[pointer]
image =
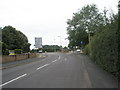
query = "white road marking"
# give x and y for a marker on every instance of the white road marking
(13, 80)
(54, 61)
(42, 66)
(47, 64)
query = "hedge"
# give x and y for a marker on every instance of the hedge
(18, 51)
(103, 48)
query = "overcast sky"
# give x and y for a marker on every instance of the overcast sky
(45, 18)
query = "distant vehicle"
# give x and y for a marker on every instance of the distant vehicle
(78, 50)
(40, 51)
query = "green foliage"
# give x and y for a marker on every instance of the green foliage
(15, 39)
(32, 51)
(4, 49)
(85, 21)
(101, 30)
(6, 52)
(86, 49)
(50, 48)
(118, 34)
(47, 48)
(103, 48)
(18, 51)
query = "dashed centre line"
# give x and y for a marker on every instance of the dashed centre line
(46, 64)
(13, 80)
(54, 61)
(26, 74)
(42, 66)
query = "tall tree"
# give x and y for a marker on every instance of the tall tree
(83, 24)
(15, 39)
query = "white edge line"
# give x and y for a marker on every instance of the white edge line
(13, 80)
(42, 66)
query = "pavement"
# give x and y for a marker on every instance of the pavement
(58, 70)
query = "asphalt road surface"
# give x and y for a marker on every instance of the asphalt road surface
(58, 70)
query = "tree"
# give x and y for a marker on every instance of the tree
(103, 48)
(50, 48)
(84, 24)
(4, 49)
(15, 39)
(18, 51)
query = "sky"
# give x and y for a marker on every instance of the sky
(45, 18)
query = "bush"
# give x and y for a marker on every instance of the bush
(86, 49)
(48, 50)
(6, 52)
(4, 49)
(104, 48)
(18, 51)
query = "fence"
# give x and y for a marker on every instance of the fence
(11, 58)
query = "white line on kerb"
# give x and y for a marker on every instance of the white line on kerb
(13, 80)
(42, 66)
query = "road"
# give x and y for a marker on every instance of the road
(58, 70)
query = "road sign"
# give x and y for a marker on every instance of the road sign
(38, 42)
